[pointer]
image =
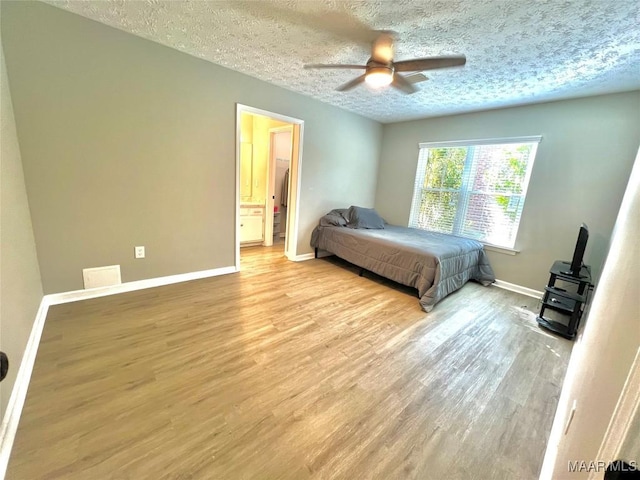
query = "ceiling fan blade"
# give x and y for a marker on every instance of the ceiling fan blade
(323, 65)
(382, 48)
(430, 63)
(353, 83)
(414, 78)
(401, 83)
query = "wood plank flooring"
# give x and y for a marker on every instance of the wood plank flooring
(291, 371)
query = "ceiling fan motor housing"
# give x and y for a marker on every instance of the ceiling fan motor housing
(378, 67)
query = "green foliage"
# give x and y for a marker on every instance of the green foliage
(438, 210)
(503, 201)
(444, 167)
(512, 176)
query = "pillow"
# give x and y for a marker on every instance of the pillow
(333, 220)
(364, 218)
(343, 212)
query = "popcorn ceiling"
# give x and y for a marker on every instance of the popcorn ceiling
(518, 52)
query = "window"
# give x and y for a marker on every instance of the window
(473, 189)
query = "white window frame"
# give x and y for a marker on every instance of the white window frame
(464, 189)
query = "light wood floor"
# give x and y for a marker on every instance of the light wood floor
(291, 370)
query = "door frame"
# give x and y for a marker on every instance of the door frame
(295, 179)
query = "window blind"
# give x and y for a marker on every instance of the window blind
(474, 189)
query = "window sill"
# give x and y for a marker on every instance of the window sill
(504, 250)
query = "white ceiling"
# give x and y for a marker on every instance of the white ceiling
(518, 51)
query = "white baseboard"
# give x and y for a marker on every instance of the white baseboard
(74, 296)
(530, 292)
(259, 243)
(303, 257)
(19, 393)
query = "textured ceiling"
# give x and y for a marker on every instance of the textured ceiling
(518, 51)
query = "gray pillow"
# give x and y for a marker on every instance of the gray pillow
(343, 212)
(333, 220)
(364, 218)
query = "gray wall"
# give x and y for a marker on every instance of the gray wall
(126, 142)
(580, 173)
(20, 287)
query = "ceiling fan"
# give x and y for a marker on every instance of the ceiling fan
(381, 70)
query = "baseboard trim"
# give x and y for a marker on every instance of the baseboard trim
(18, 396)
(530, 292)
(303, 257)
(75, 295)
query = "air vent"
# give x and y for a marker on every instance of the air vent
(101, 276)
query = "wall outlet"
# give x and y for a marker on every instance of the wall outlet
(139, 251)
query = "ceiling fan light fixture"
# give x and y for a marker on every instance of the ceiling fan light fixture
(379, 76)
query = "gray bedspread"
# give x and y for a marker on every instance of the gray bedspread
(435, 264)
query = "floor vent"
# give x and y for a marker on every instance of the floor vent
(101, 276)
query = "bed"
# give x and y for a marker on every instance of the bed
(436, 264)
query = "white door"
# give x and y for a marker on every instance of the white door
(278, 193)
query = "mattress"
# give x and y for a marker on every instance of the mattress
(436, 264)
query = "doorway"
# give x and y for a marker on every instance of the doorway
(268, 161)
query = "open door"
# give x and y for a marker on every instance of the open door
(281, 143)
(295, 180)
